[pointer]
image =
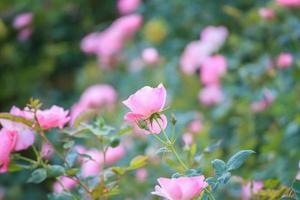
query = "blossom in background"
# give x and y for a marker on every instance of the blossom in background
(196, 126)
(146, 102)
(284, 60)
(266, 13)
(261, 105)
(251, 188)
(91, 166)
(211, 39)
(150, 56)
(187, 138)
(128, 6)
(64, 183)
(8, 140)
(183, 188)
(212, 69)
(288, 3)
(94, 97)
(55, 117)
(141, 175)
(114, 154)
(22, 20)
(108, 43)
(25, 134)
(47, 151)
(211, 95)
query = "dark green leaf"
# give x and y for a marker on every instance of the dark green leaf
(238, 159)
(38, 176)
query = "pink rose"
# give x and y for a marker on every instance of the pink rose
(183, 188)
(284, 60)
(8, 140)
(150, 56)
(288, 3)
(64, 183)
(146, 102)
(211, 95)
(128, 6)
(52, 118)
(195, 126)
(47, 151)
(24, 34)
(250, 188)
(114, 154)
(141, 174)
(212, 69)
(261, 105)
(22, 20)
(25, 134)
(266, 13)
(214, 36)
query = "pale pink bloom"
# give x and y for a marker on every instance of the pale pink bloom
(214, 36)
(195, 126)
(90, 43)
(183, 188)
(289, 3)
(284, 60)
(99, 95)
(211, 95)
(52, 118)
(266, 13)
(136, 65)
(261, 105)
(64, 183)
(212, 69)
(141, 174)
(251, 188)
(128, 25)
(8, 140)
(92, 167)
(114, 154)
(128, 6)
(47, 150)
(187, 138)
(150, 56)
(25, 133)
(146, 102)
(25, 34)
(22, 20)
(193, 55)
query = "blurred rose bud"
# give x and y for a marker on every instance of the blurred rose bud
(128, 6)
(22, 20)
(150, 56)
(141, 174)
(47, 151)
(211, 95)
(63, 183)
(288, 3)
(187, 138)
(266, 13)
(284, 60)
(251, 188)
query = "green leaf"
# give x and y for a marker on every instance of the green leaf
(137, 162)
(55, 171)
(224, 178)
(119, 170)
(115, 142)
(38, 176)
(71, 158)
(238, 159)
(162, 150)
(60, 196)
(15, 168)
(219, 167)
(69, 144)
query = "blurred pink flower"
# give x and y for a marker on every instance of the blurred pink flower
(92, 166)
(24, 34)
(261, 105)
(183, 188)
(22, 20)
(114, 154)
(150, 56)
(25, 134)
(214, 36)
(94, 97)
(64, 183)
(187, 138)
(251, 188)
(47, 151)
(195, 126)
(266, 13)
(8, 140)
(193, 55)
(146, 102)
(289, 3)
(212, 69)
(52, 118)
(128, 6)
(284, 60)
(211, 95)
(141, 175)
